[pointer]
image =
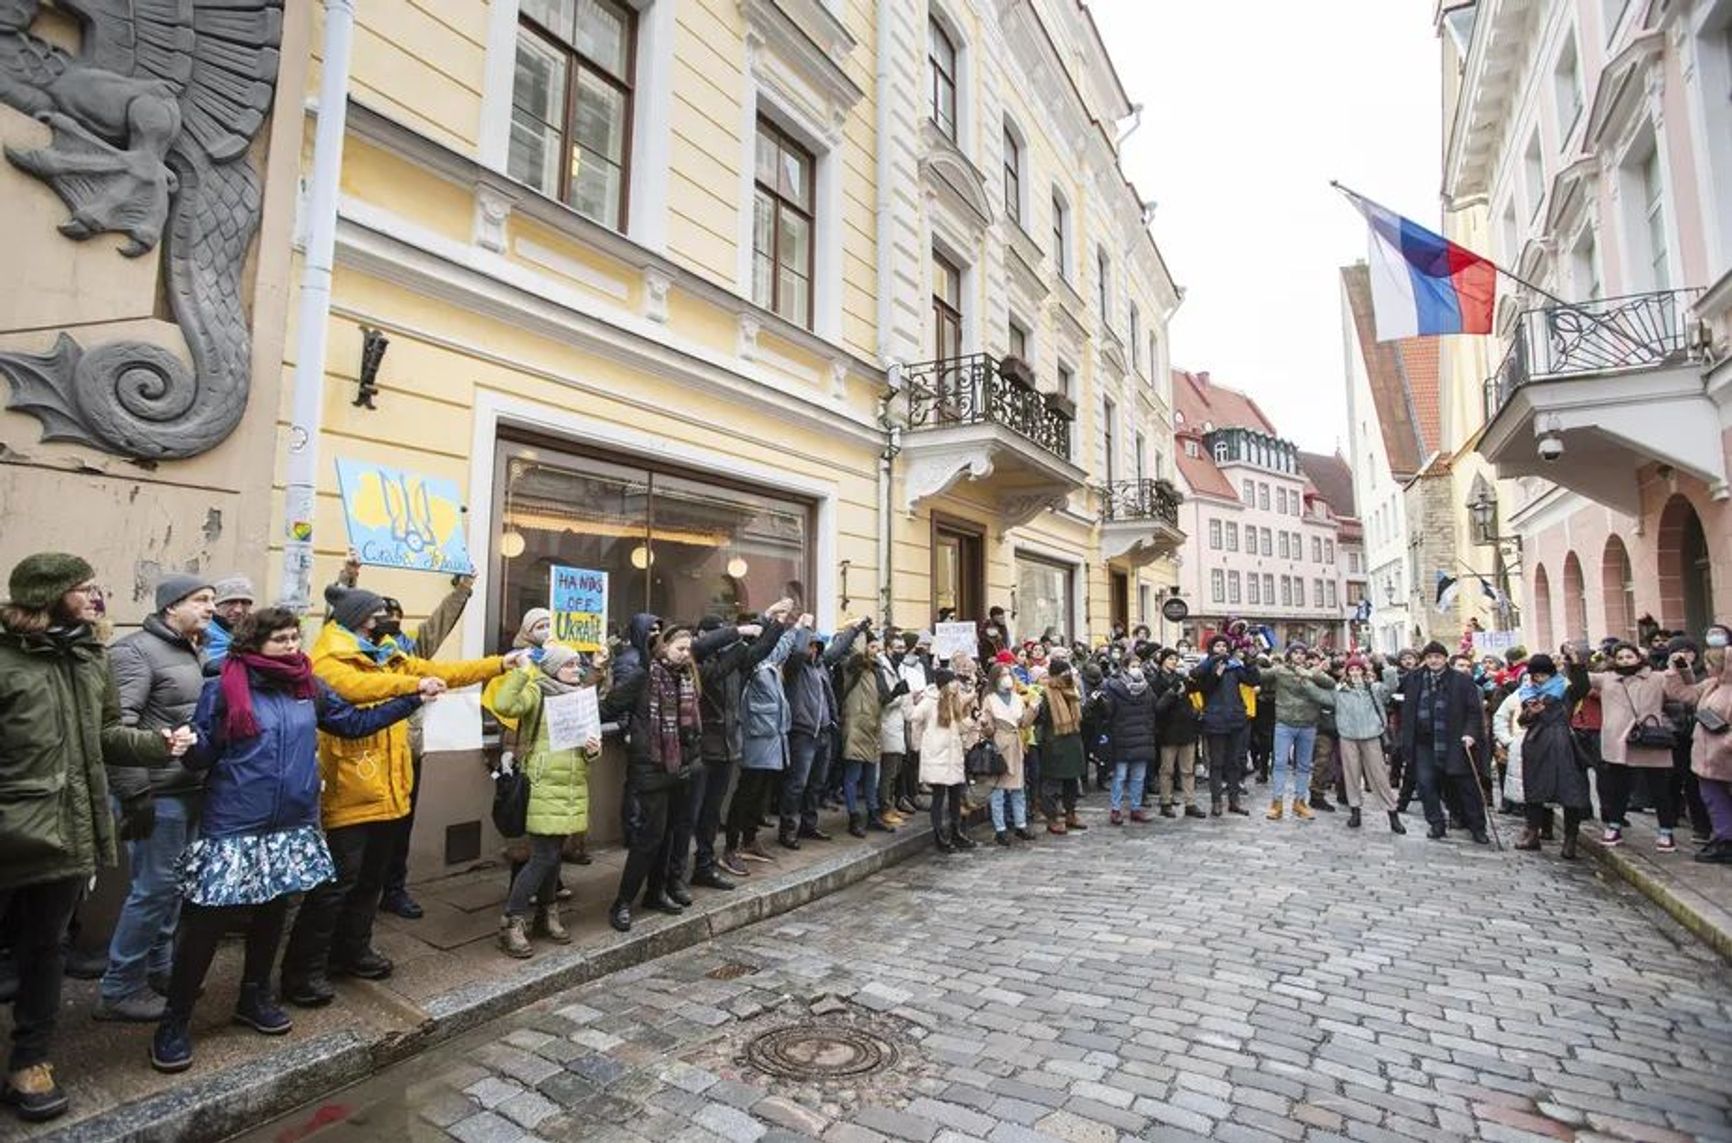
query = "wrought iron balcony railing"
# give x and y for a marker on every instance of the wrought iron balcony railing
(973, 391)
(1124, 500)
(1610, 335)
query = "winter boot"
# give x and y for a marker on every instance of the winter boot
(1072, 822)
(1529, 840)
(1395, 825)
(1277, 811)
(258, 1010)
(1353, 818)
(1302, 809)
(548, 924)
(514, 938)
(857, 825)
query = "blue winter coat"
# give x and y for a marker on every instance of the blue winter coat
(766, 716)
(271, 782)
(1223, 705)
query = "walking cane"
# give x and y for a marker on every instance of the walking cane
(1490, 821)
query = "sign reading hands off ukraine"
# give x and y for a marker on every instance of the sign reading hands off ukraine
(403, 520)
(578, 599)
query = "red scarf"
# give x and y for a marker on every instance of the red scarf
(241, 670)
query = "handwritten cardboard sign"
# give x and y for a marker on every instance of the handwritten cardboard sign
(949, 638)
(400, 519)
(1495, 642)
(571, 719)
(578, 599)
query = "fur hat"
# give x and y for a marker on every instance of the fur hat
(1434, 648)
(40, 580)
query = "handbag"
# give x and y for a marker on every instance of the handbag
(1650, 733)
(1712, 721)
(983, 760)
(511, 801)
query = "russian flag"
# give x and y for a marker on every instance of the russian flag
(1422, 284)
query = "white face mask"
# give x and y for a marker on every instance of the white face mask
(1004, 685)
(1716, 638)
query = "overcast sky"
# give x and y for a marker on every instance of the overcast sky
(1251, 107)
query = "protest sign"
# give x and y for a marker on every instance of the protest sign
(453, 722)
(403, 520)
(1495, 642)
(578, 599)
(949, 638)
(571, 719)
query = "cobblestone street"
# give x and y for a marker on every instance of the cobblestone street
(1240, 981)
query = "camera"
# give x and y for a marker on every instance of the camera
(1551, 447)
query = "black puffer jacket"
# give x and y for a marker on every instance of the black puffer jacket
(724, 661)
(1130, 721)
(158, 678)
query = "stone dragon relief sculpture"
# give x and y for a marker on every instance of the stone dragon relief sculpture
(151, 124)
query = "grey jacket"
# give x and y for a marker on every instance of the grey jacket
(766, 715)
(158, 677)
(1359, 711)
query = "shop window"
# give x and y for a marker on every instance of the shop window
(1043, 596)
(674, 544)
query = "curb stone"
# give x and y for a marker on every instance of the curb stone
(1711, 923)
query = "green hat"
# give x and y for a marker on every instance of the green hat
(40, 580)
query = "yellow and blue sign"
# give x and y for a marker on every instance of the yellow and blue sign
(578, 599)
(403, 520)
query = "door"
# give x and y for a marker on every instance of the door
(958, 571)
(1119, 601)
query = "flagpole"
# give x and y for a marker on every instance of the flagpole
(1575, 307)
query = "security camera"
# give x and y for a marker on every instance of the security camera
(1551, 447)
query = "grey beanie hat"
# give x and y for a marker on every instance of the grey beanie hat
(355, 607)
(176, 586)
(555, 656)
(231, 588)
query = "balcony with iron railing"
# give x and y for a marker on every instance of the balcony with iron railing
(1140, 520)
(977, 390)
(1591, 393)
(1594, 338)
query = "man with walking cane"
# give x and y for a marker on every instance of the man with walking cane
(1442, 713)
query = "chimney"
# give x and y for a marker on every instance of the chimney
(1203, 378)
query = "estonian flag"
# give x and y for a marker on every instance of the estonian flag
(1446, 589)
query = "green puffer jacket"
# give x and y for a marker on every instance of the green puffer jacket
(558, 779)
(59, 721)
(862, 711)
(1300, 696)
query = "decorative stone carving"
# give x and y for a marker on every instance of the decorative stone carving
(492, 210)
(932, 473)
(839, 378)
(1017, 509)
(749, 327)
(656, 284)
(151, 124)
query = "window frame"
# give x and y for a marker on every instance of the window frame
(786, 141)
(626, 86)
(936, 30)
(1061, 234)
(1217, 585)
(1216, 534)
(945, 312)
(1013, 175)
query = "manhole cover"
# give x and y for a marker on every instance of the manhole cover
(733, 970)
(820, 1051)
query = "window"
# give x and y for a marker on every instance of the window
(1154, 361)
(1585, 268)
(1268, 544)
(1296, 502)
(1333, 602)
(1613, 11)
(1567, 90)
(1249, 496)
(1654, 210)
(941, 61)
(1221, 452)
(1066, 387)
(1232, 536)
(946, 309)
(1507, 231)
(1316, 549)
(1215, 535)
(1298, 591)
(1136, 339)
(1298, 546)
(1045, 590)
(1012, 177)
(1329, 552)
(1286, 551)
(1355, 593)
(1534, 171)
(1234, 593)
(1262, 496)
(1142, 448)
(1269, 588)
(1060, 236)
(1286, 591)
(1191, 449)
(1217, 585)
(1317, 593)
(782, 226)
(571, 102)
(1281, 501)
(1352, 563)
(1253, 588)
(1103, 293)
(1109, 415)
(1018, 341)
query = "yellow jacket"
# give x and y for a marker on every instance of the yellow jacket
(369, 779)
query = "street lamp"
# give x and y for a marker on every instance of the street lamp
(1389, 590)
(1482, 511)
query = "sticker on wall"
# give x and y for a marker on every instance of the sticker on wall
(401, 519)
(578, 599)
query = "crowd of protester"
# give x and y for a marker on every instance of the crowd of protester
(243, 774)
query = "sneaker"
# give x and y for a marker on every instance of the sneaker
(1663, 843)
(730, 862)
(1613, 836)
(33, 1094)
(140, 1008)
(400, 903)
(258, 1011)
(549, 924)
(171, 1047)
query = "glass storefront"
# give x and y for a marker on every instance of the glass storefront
(1043, 597)
(671, 543)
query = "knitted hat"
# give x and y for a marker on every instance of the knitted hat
(176, 586)
(40, 580)
(555, 656)
(1358, 661)
(530, 618)
(1542, 664)
(356, 606)
(1004, 657)
(1434, 648)
(235, 589)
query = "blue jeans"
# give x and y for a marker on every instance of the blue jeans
(1138, 774)
(143, 942)
(852, 776)
(1287, 740)
(806, 766)
(1018, 800)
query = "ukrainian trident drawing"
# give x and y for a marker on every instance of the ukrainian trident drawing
(150, 124)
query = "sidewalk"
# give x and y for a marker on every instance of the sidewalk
(1697, 895)
(450, 976)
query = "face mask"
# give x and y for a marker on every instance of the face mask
(1135, 674)
(387, 629)
(1717, 638)
(1004, 686)
(1626, 669)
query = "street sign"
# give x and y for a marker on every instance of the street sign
(1176, 610)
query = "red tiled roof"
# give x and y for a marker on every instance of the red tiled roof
(1332, 478)
(1419, 362)
(1204, 401)
(1404, 381)
(1200, 472)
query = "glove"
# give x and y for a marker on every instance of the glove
(138, 818)
(900, 689)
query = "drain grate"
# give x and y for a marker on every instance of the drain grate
(820, 1051)
(733, 970)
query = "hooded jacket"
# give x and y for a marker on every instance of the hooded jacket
(766, 715)
(1178, 717)
(724, 660)
(558, 779)
(1130, 720)
(811, 695)
(158, 678)
(59, 722)
(630, 669)
(369, 779)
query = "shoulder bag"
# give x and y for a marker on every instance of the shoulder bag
(1651, 733)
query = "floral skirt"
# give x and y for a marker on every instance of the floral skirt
(253, 869)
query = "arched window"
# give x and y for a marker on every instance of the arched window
(1575, 600)
(1686, 575)
(1618, 585)
(1542, 609)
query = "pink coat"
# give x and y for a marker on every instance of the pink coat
(1710, 754)
(1623, 703)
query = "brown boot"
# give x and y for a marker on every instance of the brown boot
(1277, 811)
(548, 924)
(1055, 825)
(1072, 822)
(1530, 839)
(1302, 809)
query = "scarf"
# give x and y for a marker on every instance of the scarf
(1553, 688)
(1434, 712)
(1062, 703)
(293, 674)
(673, 704)
(372, 650)
(551, 686)
(1136, 684)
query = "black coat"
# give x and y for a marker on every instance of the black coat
(1554, 770)
(724, 661)
(1180, 723)
(1464, 714)
(1131, 726)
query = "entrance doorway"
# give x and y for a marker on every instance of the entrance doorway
(958, 570)
(1686, 574)
(1119, 600)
